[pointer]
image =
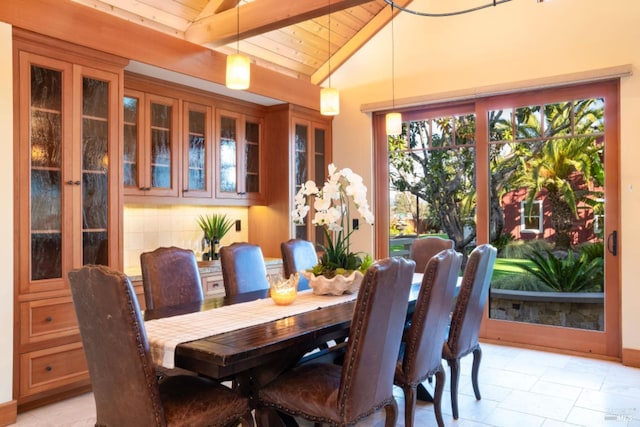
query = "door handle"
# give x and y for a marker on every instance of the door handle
(612, 243)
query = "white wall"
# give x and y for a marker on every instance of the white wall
(512, 42)
(6, 215)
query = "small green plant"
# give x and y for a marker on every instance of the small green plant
(570, 274)
(214, 225)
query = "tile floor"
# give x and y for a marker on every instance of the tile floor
(521, 388)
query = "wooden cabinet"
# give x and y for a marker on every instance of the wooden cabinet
(68, 201)
(299, 142)
(239, 162)
(150, 155)
(183, 145)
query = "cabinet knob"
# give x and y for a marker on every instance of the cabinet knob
(48, 368)
(70, 182)
(48, 319)
(76, 183)
(186, 190)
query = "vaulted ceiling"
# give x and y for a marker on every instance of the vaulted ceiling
(300, 38)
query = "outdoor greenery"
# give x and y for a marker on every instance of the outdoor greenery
(570, 274)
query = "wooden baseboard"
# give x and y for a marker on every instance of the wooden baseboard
(631, 357)
(8, 413)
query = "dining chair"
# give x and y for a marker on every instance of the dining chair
(243, 268)
(170, 276)
(123, 380)
(342, 395)
(421, 350)
(467, 315)
(297, 255)
(424, 248)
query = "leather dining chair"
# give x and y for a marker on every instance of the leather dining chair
(421, 352)
(298, 255)
(342, 395)
(243, 268)
(424, 248)
(170, 276)
(123, 380)
(466, 318)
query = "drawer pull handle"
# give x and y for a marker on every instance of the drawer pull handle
(48, 369)
(48, 319)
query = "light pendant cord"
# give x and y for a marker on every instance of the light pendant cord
(238, 27)
(393, 64)
(329, 59)
(440, 15)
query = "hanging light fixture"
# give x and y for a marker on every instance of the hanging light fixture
(238, 65)
(329, 96)
(393, 120)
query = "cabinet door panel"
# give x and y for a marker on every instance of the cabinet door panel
(197, 151)
(132, 148)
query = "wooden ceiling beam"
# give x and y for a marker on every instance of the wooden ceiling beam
(259, 17)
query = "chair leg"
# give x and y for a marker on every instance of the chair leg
(410, 395)
(477, 357)
(437, 395)
(391, 412)
(454, 366)
(247, 420)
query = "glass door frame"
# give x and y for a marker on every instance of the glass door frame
(604, 343)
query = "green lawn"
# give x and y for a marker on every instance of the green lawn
(508, 266)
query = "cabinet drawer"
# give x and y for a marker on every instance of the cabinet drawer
(47, 319)
(52, 368)
(212, 286)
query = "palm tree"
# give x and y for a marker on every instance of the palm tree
(559, 167)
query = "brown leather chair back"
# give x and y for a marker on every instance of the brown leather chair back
(470, 303)
(243, 268)
(423, 351)
(170, 276)
(297, 255)
(124, 383)
(423, 249)
(374, 338)
(115, 344)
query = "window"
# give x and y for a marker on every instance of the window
(531, 222)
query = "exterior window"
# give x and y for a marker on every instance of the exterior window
(531, 223)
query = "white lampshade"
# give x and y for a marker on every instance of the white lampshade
(329, 101)
(238, 71)
(394, 123)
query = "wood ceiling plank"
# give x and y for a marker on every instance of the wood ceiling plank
(141, 14)
(260, 17)
(356, 42)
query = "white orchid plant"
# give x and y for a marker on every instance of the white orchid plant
(332, 207)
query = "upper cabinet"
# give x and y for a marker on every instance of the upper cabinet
(238, 163)
(150, 159)
(299, 149)
(182, 145)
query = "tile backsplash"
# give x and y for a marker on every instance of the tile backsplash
(149, 227)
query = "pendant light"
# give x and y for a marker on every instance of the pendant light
(238, 65)
(329, 96)
(393, 120)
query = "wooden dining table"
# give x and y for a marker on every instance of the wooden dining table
(255, 354)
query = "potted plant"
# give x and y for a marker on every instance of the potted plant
(339, 269)
(214, 227)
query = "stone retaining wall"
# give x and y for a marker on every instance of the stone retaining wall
(572, 310)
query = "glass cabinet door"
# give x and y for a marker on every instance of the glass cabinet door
(95, 171)
(47, 127)
(227, 159)
(301, 154)
(66, 203)
(252, 140)
(196, 166)
(311, 147)
(132, 150)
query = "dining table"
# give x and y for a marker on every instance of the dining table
(247, 337)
